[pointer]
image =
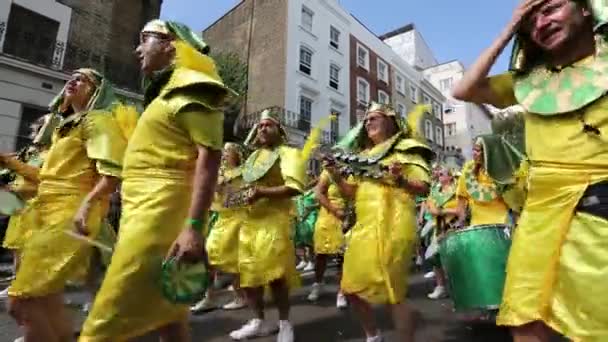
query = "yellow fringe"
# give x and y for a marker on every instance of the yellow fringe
(127, 117)
(314, 138)
(188, 57)
(413, 121)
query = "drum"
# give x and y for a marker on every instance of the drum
(10, 203)
(183, 283)
(475, 261)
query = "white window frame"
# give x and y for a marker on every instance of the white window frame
(335, 123)
(303, 63)
(439, 135)
(426, 99)
(334, 43)
(384, 77)
(300, 109)
(336, 79)
(414, 93)
(400, 83)
(450, 129)
(446, 83)
(401, 109)
(307, 12)
(366, 100)
(437, 110)
(428, 130)
(365, 63)
(381, 94)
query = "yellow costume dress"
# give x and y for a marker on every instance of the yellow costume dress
(328, 237)
(383, 239)
(159, 166)
(85, 146)
(266, 252)
(223, 240)
(21, 225)
(483, 211)
(558, 264)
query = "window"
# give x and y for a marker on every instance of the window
(307, 17)
(382, 71)
(414, 94)
(334, 37)
(428, 130)
(450, 129)
(334, 128)
(437, 110)
(400, 84)
(383, 97)
(362, 92)
(35, 41)
(334, 76)
(305, 60)
(362, 57)
(445, 84)
(401, 109)
(305, 113)
(439, 136)
(426, 99)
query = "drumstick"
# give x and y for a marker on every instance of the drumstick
(90, 241)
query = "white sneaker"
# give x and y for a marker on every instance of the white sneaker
(285, 332)
(19, 339)
(204, 305)
(309, 267)
(377, 338)
(341, 302)
(315, 293)
(236, 304)
(439, 292)
(429, 275)
(254, 328)
(301, 265)
(4, 294)
(86, 307)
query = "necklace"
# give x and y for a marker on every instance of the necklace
(259, 163)
(479, 192)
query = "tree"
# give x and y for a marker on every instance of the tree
(512, 128)
(234, 74)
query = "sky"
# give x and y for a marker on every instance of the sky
(453, 29)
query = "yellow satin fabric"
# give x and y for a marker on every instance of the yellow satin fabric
(382, 241)
(266, 252)
(328, 237)
(223, 240)
(557, 264)
(156, 193)
(50, 257)
(490, 212)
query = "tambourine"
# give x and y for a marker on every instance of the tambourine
(238, 198)
(183, 283)
(10, 203)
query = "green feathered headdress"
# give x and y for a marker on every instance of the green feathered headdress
(103, 96)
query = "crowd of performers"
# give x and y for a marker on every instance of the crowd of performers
(519, 238)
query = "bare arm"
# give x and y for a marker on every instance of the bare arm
(321, 193)
(282, 191)
(104, 187)
(433, 209)
(461, 209)
(474, 85)
(204, 182)
(26, 171)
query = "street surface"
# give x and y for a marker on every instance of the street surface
(318, 322)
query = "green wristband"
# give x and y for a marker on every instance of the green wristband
(197, 224)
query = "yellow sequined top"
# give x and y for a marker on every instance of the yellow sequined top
(482, 212)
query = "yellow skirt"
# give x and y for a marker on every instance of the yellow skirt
(51, 258)
(130, 302)
(562, 283)
(380, 246)
(328, 238)
(223, 242)
(266, 252)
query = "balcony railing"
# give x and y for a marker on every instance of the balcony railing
(288, 118)
(62, 56)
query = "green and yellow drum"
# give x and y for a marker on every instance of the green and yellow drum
(183, 283)
(475, 261)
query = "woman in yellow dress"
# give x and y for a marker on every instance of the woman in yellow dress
(442, 204)
(223, 238)
(274, 174)
(558, 260)
(328, 238)
(25, 185)
(382, 241)
(80, 171)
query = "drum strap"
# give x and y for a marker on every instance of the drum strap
(595, 200)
